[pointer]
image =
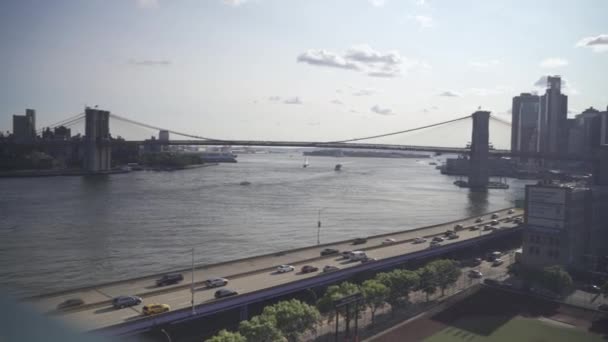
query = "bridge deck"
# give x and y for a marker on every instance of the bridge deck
(246, 275)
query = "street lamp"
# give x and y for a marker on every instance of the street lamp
(192, 283)
(319, 227)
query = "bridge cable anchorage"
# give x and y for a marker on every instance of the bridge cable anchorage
(61, 123)
(399, 132)
(123, 119)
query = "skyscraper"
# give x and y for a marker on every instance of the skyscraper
(24, 126)
(553, 126)
(524, 128)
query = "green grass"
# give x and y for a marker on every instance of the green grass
(515, 330)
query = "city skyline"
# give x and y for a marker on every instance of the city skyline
(267, 69)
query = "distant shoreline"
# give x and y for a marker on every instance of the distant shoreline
(79, 172)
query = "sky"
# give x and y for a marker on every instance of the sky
(296, 70)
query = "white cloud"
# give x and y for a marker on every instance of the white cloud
(364, 92)
(484, 64)
(567, 87)
(234, 3)
(147, 3)
(553, 63)
(365, 59)
(377, 3)
(293, 100)
(149, 62)
(449, 93)
(596, 43)
(490, 91)
(337, 102)
(382, 111)
(423, 21)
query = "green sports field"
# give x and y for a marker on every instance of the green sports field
(518, 329)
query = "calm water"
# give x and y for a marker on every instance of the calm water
(65, 232)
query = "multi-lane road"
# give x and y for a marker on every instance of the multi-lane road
(246, 275)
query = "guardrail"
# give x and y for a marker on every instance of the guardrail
(206, 309)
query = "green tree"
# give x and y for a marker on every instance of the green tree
(446, 272)
(428, 280)
(335, 292)
(375, 294)
(556, 279)
(292, 317)
(227, 336)
(261, 328)
(400, 284)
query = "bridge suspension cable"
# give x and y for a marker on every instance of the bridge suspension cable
(500, 120)
(123, 119)
(62, 122)
(399, 132)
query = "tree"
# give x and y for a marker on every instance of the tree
(261, 328)
(292, 317)
(604, 289)
(400, 283)
(428, 281)
(556, 279)
(375, 294)
(227, 336)
(446, 272)
(335, 292)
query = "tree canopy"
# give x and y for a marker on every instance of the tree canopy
(227, 336)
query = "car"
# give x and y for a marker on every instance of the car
(125, 301)
(497, 262)
(592, 288)
(494, 222)
(453, 236)
(419, 240)
(153, 309)
(70, 303)
(476, 262)
(357, 256)
(347, 254)
(473, 228)
(215, 282)
(169, 279)
(438, 239)
(367, 260)
(458, 227)
(329, 251)
(434, 244)
(221, 293)
(330, 268)
(511, 211)
(285, 268)
(475, 274)
(603, 307)
(508, 219)
(491, 282)
(488, 227)
(518, 220)
(359, 241)
(389, 241)
(479, 219)
(448, 232)
(494, 216)
(308, 269)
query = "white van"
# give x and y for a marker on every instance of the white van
(357, 256)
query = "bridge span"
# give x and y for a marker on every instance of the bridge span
(254, 279)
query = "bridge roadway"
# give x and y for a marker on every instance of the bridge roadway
(245, 276)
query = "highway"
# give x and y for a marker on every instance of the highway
(244, 276)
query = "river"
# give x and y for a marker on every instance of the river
(66, 232)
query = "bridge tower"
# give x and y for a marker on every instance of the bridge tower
(97, 151)
(478, 166)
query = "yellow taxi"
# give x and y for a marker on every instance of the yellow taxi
(153, 309)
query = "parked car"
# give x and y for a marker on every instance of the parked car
(494, 216)
(367, 259)
(458, 227)
(330, 268)
(419, 240)
(308, 269)
(479, 219)
(475, 274)
(592, 288)
(453, 236)
(497, 262)
(169, 279)
(389, 241)
(221, 293)
(438, 239)
(285, 268)
(476, 262)
(125, 301)
(329, 251)
(215, 282)
(70, 303)
(359, 241)
(153, 309)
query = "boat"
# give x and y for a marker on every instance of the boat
(305, 165)
(338, 167)
(245, 183)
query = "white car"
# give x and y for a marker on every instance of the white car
(511, 211)
(475, 274)
(216, 282)
(389, 241)
(285, 268)
(497, 262)
(419, 240)
(479, 219)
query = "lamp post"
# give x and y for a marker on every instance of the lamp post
(319, 227)
(192, 283)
